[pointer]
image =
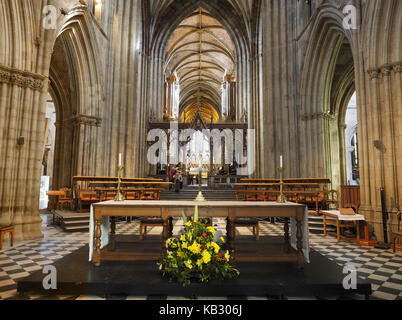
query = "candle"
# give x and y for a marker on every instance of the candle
(281, 162)
(120, 159)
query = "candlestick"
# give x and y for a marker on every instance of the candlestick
(281, 198)
(119, 159)
(119, 196)
(200, 196)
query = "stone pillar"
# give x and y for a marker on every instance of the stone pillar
(22, 126)
(169, 97)
(383, 126)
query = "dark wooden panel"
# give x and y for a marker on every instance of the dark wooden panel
(350, 195)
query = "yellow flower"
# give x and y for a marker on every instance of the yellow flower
(206, 256)
(223, 240)
(195, 248)
(200, 262)
(188, 264)
(185, 245)
(212, 230)
(227, 255)
(215, 246)
(189, 224)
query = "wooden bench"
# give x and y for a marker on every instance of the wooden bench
(397, 235)
(3, 232)
(289, 180)
(341, 221)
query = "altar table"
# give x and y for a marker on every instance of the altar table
(296, 243)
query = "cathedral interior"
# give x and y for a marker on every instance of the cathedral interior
(311, 87)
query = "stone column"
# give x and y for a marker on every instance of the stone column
(22, 126)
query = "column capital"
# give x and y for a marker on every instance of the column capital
(80, 119)
(386, 70)
(397, 67)
(374, 73)
(22, 78)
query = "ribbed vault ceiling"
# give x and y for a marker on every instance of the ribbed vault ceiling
(200, 52)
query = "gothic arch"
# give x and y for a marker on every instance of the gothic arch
(324, 97)
(77, 83)
(158, 30)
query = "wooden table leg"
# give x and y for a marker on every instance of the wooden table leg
(357, 232)
(299, 237)
(170, 227)
(227, 231)
(287, 237)
(165, 230)
(231, 227)
(338, 230)
(112, 246)
(98, 234)
(324, 217)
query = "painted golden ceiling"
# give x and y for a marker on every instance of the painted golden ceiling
(200, 52)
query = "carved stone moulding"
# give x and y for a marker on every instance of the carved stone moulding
(320, 115)
(385, 70)
(82, 120)
(21, 78)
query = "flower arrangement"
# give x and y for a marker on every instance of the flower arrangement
(196, 254)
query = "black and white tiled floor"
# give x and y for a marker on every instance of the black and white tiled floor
(382, 268)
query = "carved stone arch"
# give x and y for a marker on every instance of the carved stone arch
(76, 82)
(323, 94)
(383, 26)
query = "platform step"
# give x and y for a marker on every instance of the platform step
(72, 221)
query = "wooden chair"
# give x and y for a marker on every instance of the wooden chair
(249, 222)
(330, 200)
(3, 232)
(67, 198)
(397, 235)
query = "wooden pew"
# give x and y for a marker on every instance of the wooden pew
(315, 200)
(267, 186)
(83, 182)
(289, 180)
(130, 184)
(87, 197)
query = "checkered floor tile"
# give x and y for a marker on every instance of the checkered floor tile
(382, 268)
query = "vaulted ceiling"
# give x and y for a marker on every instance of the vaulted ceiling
(200, 52)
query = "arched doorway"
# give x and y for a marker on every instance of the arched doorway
(327, 85)
(352, 144)
(48, 153)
